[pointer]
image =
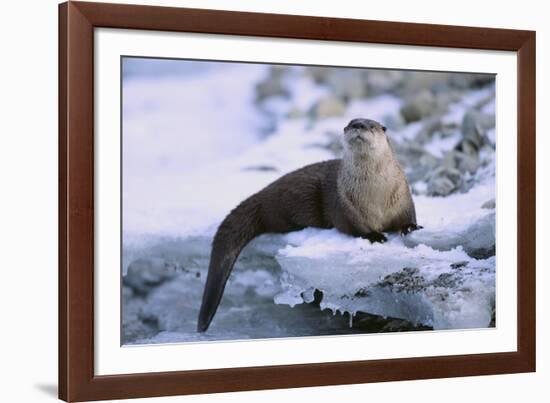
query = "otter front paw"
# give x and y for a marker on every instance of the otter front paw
(376, 237)
(410, 228)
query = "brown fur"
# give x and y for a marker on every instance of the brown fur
(363, 194)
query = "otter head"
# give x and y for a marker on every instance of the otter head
(365, 137)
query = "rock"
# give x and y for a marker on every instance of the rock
(462, 263)
(449, 160)
(471, 125)
(328, 107)
(440, 186)
(272, 85)
(409, 279)
(344, 83)
(261, 168)
(474, 130)
(145, 274)
(394, 122)
(430, 126)
(469, 80)
(468, 147)
(401, 325)
(443, 181)
(133, 327)
(489, 204)
(347, 84)
(417, 108)
(295, 113)
(383, 81)
(127, 292)
(446, 97)
(418, 162)
(379, 324)
(270, 88)
(466, 162)
(319, 74)
(415, 82)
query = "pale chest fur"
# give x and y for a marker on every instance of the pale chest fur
(376, 194)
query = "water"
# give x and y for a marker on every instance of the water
(161, 298)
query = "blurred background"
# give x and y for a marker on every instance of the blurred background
(198, 137)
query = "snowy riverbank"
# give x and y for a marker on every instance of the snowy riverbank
(191, 153)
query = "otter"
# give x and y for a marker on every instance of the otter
(363, 194)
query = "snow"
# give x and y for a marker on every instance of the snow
(179, 184)
(175, 130)
(438, 145)
(376, 108)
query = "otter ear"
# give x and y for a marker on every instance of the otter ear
(384, 128)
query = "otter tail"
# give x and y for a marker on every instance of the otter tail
(235, 232)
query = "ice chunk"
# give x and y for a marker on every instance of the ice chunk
(442, 289)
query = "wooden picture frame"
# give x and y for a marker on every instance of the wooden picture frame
(77, 381)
